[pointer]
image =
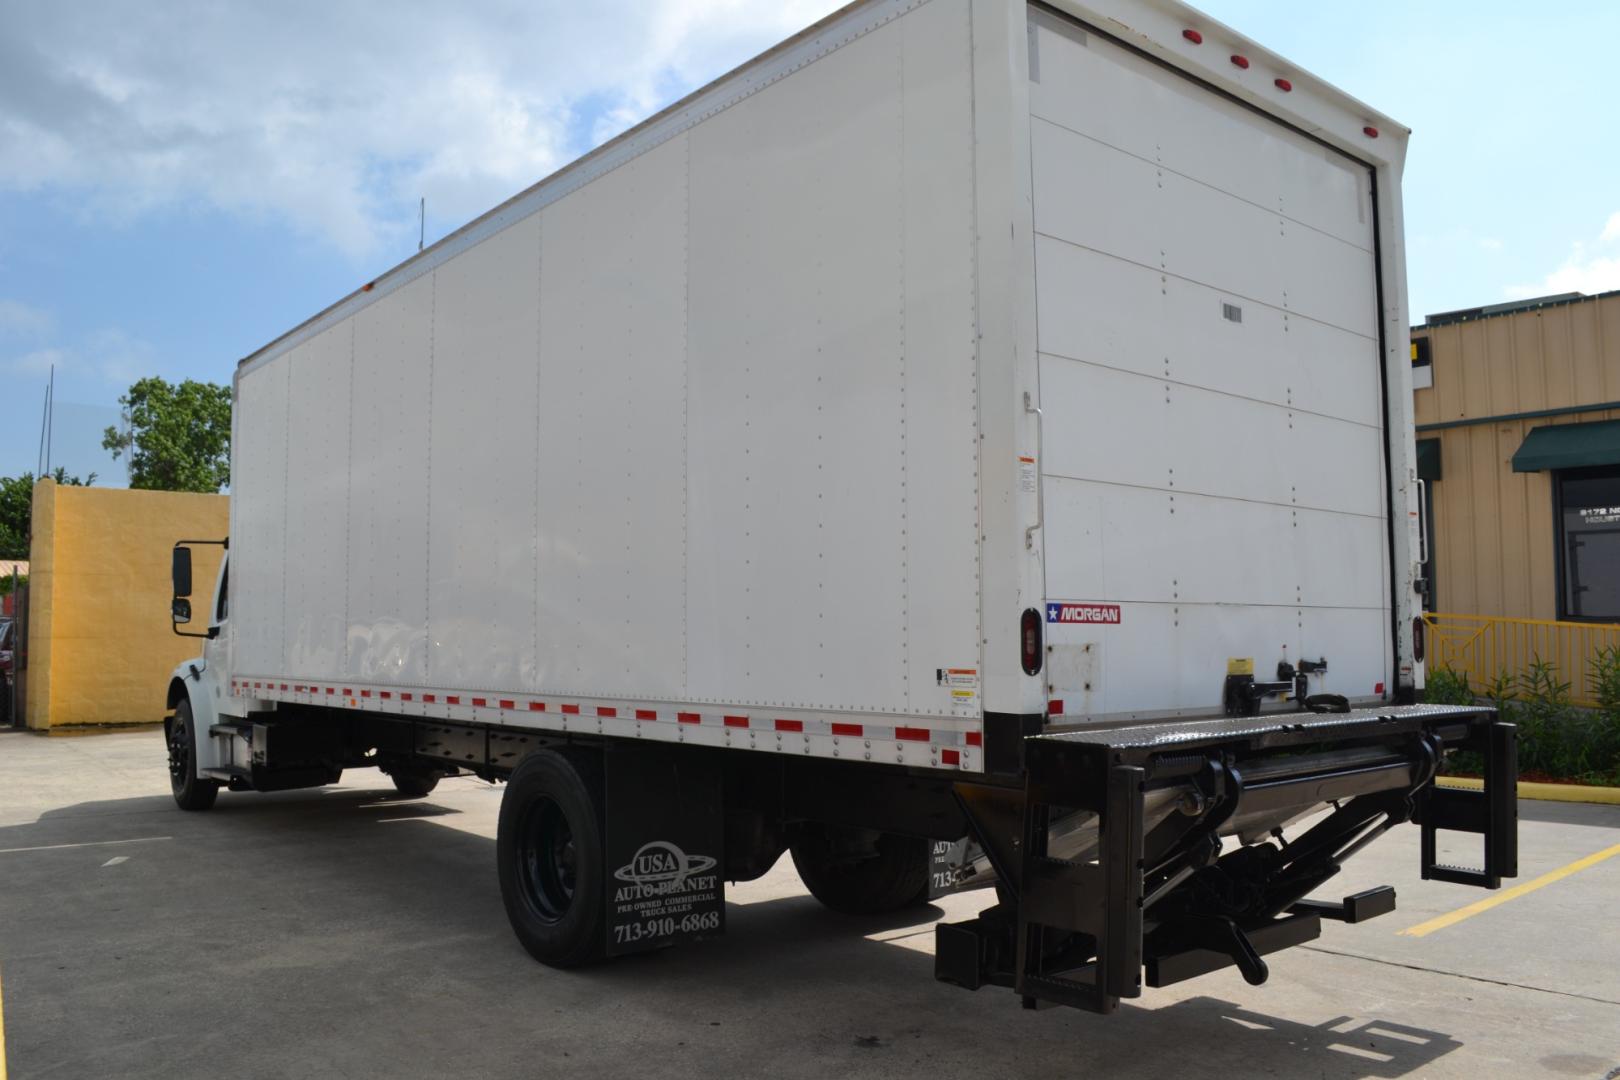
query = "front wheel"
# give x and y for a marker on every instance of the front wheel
(413, 779)
(191, 792)
(551, 857)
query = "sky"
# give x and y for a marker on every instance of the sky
(183, 180)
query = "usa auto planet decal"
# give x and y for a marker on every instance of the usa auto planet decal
(662, 892)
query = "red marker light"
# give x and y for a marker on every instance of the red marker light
(1193, 36)
(1241, 61)
(1029, 634)
(1370, 131)
(1284, 85)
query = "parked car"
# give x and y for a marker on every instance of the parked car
(8, 634)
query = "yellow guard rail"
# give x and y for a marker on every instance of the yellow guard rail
(1481, 646)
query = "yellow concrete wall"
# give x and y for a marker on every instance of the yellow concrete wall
(100, 645)
(1494, 528)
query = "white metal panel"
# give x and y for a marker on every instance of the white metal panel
(388, 469)
(317, 503)
(940, 375)
(797, 586)
(1322, 370)
(681, 434)
(1163, 220)
(612, 420)
(481, 522)
(259, 519)
(1221, 143)
(1210, 376)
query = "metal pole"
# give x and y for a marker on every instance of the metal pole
(50, 420)
(44, 413)
(421, 222)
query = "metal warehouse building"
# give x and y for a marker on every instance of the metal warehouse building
(1518, 425)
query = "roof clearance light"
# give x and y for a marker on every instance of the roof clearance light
(1370, 131)
(1241, 61)
(1284, 85)
(1193, 36)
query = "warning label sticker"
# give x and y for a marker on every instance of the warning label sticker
(1068, 611)
(963, 684)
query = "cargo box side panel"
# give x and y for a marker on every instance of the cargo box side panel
(481, 470)
(317, 503)
(1214, 475)
(258, 520)
(611, 500)
(388, 470)
(832, 545)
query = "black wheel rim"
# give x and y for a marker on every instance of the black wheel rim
(179, 754)
(547, 860)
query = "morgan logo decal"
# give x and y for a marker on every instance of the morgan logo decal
(1066, 612)
(661, 867)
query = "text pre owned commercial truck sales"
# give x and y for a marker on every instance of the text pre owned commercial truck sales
(968, 445)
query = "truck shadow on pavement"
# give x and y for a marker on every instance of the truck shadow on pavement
(299, 907)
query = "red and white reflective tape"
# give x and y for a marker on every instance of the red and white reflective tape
(956, 746)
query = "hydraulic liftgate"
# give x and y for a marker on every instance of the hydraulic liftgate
(1110, 860)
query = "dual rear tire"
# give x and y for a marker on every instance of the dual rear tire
(551, 856)
(861, 871)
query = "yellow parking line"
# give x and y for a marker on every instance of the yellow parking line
(1452, 918)
(2, 1032)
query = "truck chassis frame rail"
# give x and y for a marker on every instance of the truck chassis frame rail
(1110, 862)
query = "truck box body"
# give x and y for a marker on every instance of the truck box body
(734, 421)
(898, 453)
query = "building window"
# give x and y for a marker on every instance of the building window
(1589, 543)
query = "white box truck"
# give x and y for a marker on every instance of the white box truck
(969, 444)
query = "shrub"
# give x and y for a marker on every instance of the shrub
(1556, 738)
(1447, 687)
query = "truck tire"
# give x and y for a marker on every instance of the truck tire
(413, 779)
(551, 857)
(859, 872)
(191, 792)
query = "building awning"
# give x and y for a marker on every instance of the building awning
(1428, 459)
(1569, 446)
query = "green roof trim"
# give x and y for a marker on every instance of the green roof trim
(1428, 459)
(1569, 446)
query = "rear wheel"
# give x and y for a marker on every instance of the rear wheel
(861, 871)
(191, 792)
(551, 859)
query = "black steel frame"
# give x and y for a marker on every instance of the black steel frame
(1161, 897)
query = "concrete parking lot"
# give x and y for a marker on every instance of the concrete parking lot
(345, 932)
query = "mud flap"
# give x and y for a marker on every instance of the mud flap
(944, 856)
(665, 831)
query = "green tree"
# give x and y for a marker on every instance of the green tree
(178, 437)
(17, 509)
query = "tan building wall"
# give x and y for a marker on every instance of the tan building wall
(1492, 374)
(100, 644)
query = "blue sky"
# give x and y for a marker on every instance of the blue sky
(181, 181)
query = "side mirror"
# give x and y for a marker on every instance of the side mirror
(182, 573)
(181, 610)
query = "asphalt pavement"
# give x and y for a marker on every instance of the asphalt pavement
(346, 932)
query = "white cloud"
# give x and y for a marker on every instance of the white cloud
(335, 117)
(19, 320)
(1588, 269)
(111, 356)
(1611, 231)
(40, 362)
